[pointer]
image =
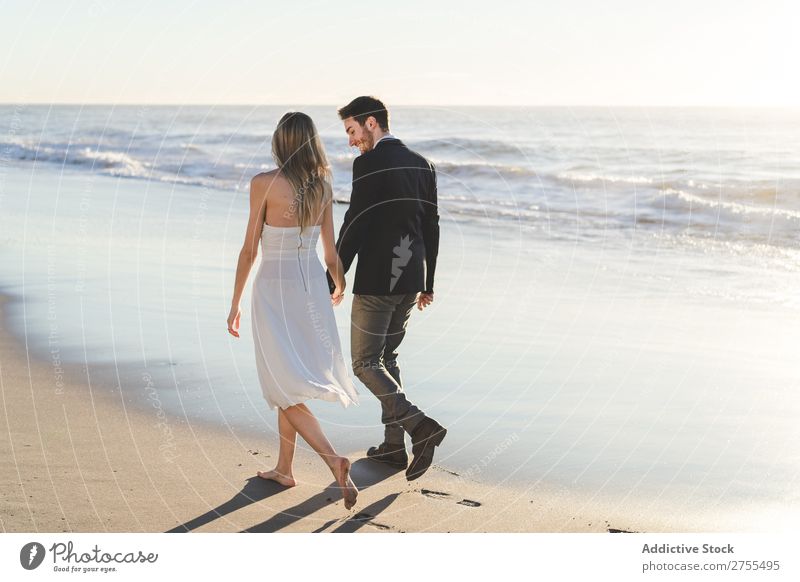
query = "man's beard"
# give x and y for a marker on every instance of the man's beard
(367, 143)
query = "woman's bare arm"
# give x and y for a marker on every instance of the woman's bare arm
(332, 260)
(249, 252)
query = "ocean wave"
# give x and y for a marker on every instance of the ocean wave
(503, 184)
(520, 213)
(475, 169)
(457, 170)
(108, 161)
(593, 178)
(111, 160)
(733, 207)
(485, 148)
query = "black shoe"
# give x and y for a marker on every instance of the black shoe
(393, 455)
(428, 435)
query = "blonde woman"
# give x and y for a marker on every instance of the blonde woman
(297, 347)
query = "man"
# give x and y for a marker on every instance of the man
(393, 226)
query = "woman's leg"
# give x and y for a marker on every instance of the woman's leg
(282, 473)
(304, 422)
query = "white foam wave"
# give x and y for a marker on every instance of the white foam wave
(613, 179)
(733, 207)
(117, 163)
(111, 162)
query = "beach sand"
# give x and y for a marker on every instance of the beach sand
(75, 458)
(610, 398)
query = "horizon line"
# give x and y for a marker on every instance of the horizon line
(542, 106)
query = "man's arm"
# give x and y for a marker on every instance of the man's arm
(430, 231)
(356, 219)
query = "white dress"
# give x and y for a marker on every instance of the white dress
(298, 352)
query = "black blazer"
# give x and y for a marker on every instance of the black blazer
(392, 223)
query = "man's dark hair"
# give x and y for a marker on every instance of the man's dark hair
(363, 107)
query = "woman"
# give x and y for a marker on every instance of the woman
(297, 347)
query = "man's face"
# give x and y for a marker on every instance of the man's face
(358, 135)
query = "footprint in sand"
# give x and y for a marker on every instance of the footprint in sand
(434, 494)
(442, 495)
(367, 518)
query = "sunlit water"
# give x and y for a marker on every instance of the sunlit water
(616, 311)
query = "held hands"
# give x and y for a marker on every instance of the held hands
(336, 287)
(233, 320)
(423, 300)
(338, 294)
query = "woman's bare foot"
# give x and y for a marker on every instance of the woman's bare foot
(341, 471)
(285, 480)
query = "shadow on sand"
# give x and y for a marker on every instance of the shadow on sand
(365, 474)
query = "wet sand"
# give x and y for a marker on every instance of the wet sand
(75, 457)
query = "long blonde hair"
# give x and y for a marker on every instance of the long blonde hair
(300, 155)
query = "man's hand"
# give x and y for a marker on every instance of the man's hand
(423, 300)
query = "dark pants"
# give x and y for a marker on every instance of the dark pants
(378, 325)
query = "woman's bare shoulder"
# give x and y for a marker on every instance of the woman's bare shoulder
(266, 176)
(270, 179)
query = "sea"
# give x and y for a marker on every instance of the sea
(617, 305)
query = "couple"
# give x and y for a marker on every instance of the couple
(392, 225)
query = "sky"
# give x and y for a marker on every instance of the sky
(569, 52)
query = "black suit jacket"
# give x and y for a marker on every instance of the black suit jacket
(392, 223)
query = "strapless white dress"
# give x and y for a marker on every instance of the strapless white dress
(298, 352)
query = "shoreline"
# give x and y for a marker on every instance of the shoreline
(527, 427)
(78, 459)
